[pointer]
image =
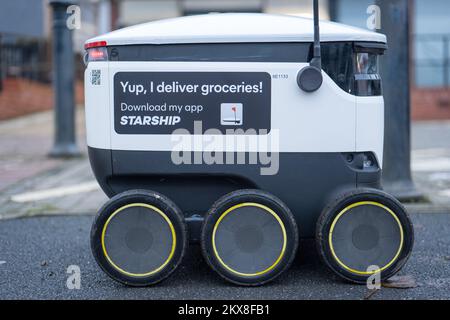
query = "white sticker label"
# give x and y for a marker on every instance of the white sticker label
(95, 77)
(231, 114)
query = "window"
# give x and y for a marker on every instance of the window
(366, 63)
(353, 66)
(367, 79)
(337, 62)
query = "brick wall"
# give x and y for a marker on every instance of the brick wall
(430, 104)
(21, 96)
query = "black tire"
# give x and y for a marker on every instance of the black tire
(245, 236)
(117, 239)
(376, 236)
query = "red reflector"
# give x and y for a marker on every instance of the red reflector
(95, 44)
(96, 54)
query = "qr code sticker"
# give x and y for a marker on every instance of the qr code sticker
(95, 77)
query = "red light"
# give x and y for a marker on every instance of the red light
(97, 54)
(95, 44)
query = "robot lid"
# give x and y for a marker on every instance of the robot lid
(234, 27)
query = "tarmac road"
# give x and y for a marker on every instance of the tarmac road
(36, 252)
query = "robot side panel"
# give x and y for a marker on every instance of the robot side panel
(320, 122)
(97, 104)
(370, 126)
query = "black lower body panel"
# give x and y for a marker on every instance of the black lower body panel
(305, 182)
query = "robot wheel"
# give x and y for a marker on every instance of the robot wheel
(249, 237)
(363, 233)
(139, 237)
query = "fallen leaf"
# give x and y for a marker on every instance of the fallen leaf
(400, 282)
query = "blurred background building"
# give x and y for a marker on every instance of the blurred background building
(25, 42)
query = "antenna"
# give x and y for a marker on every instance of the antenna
(310, 78)
(317, 59)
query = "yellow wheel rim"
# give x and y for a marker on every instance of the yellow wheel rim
(270, 211)
(172, 251)
(362, 203)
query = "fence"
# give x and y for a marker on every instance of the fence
(29, 59)
(26, 76)
(24, 58)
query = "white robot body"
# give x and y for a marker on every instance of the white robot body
(327, 140)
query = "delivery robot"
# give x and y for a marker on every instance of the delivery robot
(245, 133)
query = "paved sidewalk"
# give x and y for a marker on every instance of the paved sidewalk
(23, 146)
(33, 184)
(25, 143)
(431, 164)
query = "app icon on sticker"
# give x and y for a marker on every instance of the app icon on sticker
(231, 114)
